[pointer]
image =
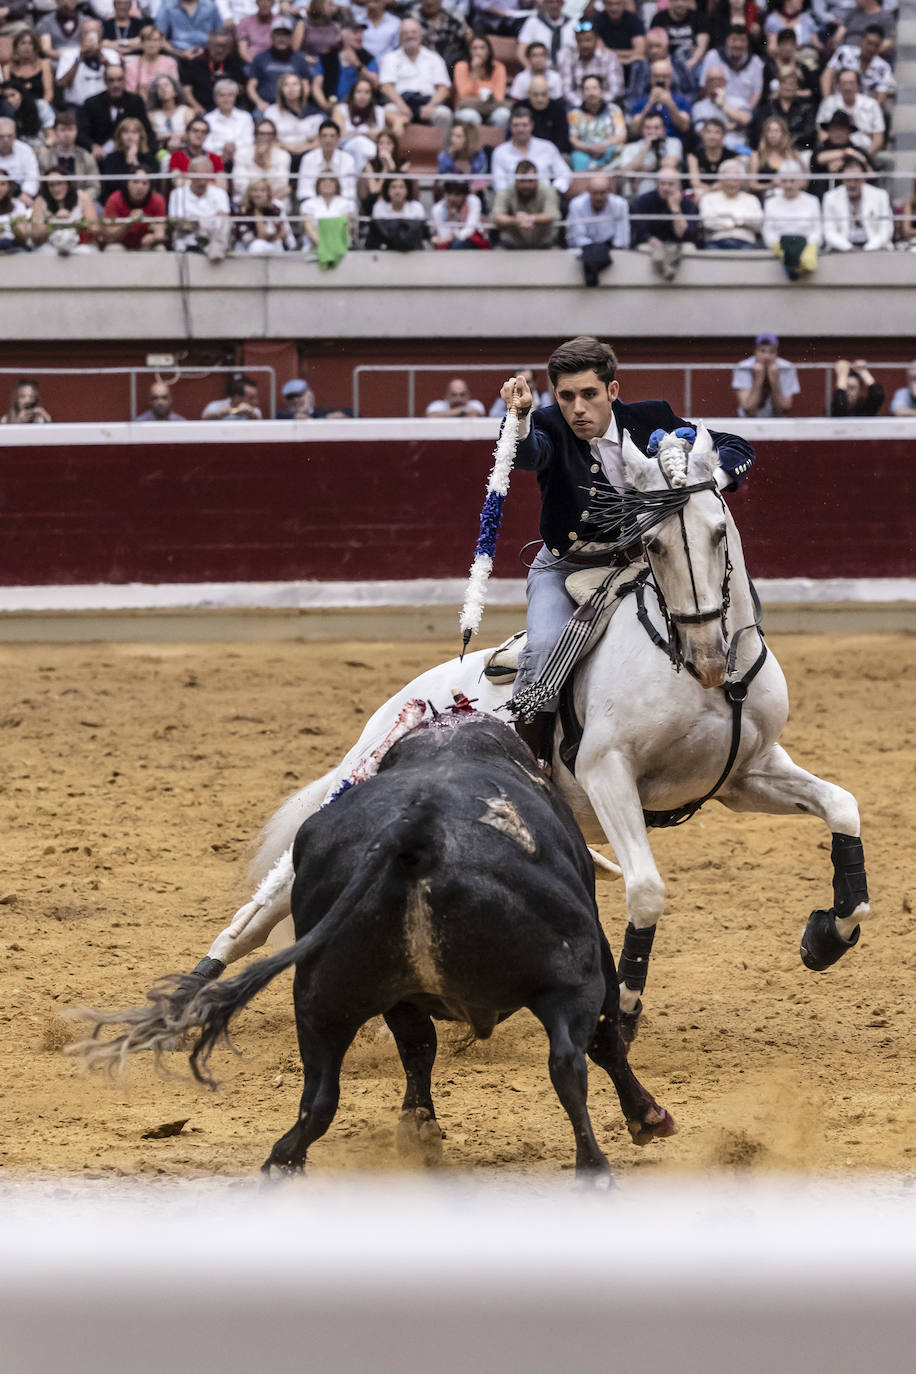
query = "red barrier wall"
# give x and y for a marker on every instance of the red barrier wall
(368, 510)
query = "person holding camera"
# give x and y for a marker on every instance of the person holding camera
(650, 153)
(25, 406)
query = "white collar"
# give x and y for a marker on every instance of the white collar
(611, 434)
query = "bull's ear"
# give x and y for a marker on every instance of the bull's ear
(636, 467)
(702, 454)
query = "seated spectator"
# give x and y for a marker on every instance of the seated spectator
(30, 122)
(792, 222)
(14, 217)
(831, 156)
(81, 71)
(382, 33)
(480, 85)
(443, 31)
(64, 154)
(496, 16)
(253, 32)
(169, 112)
(64, 219)
(219, 61)
(639, 84)
(537, 59)
(785, 58)
(875, 75)
(703, 166)
(764, 384)
(141, 71)
(865, 115)
(687, 30)
(25, 405)
(743, 68)
(386, 161)
(730, 214)
(732, 113)
(121, 30)
(456, 219)
(539, 399)
(230, 128)
(18, 162)
(596, 222)
(160, 406)
(415, 80)
(857, 215)
(351, 63)
(855, 392)
(30, 70)
(131, 153)
(242, 401)
(267, 68)
(328, 221)
(263, 159)
(264, 227)
(60, 30)
(462, 156)
(328, 158)
(652, 153)
(548, 25)
(550, 116)
(195, 136)
(791, 106)
(724, 14)
(665, 223)
(621, 31)
(185, 27)
(527, 212)
(320, 29)
(775, 148)
(296, 119)
(587, 58)
(865, 14)
(791, 14)
(457, 402)
(903, 401)
(523, 146)
(135, 217)
(101, 114)
(674, 109)
(596, 129)
(360, 121)
(398, 218)
(300, 401)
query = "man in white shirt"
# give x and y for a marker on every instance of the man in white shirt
(415, 80)
(743, 69)
(328, 159)
(857, 215)
(731, 215)
(201, 211)
(597, 216)
(230, 127)
(523, 146)
(18, 162)
(864, 112)
(538, 64)
(457, 401)
(875, 73)
(548, 26)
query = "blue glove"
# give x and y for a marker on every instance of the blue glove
(684, 432)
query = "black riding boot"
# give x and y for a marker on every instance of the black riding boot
(537, 733)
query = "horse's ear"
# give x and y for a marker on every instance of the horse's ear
(702, 452)
(635, 463)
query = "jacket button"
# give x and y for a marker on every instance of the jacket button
(584, 515)
(555, 552)
(595, 467)
(572, 535)
(592, 491)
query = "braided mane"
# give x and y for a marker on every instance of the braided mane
(672, 455)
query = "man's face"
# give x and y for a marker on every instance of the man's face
(526, 185)
(539, 92)
(7, 136)
(668, 184)
(67, 6)
(788, 86)
(281, 40)
(457, 393)
(160, 402)
(713, 135)
(521, 126)
(598, 197)
(411, 37)
(731, 184)
(585, 402)
(198, 184)
(430, 8)
(66, 135)
(653, 127)
(613, 9)
(678, 8)
(537, 59)
(122, 10)
(327, 142)
(848, 86)
(196, 135)
(656, 45)
(90, 35)
(114, 82)
(250, 395)
(661, 74)
(138, 189)
(853, 180)
(736, 48)
(765, 353)
(586, 43)
(871, 42)
(553, 9)
(218, 45)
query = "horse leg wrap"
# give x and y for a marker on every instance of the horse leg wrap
(822, 944)
(208, 969)
(633, 964)
(850, 888)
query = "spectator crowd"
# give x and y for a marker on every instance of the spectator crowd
(248, 126)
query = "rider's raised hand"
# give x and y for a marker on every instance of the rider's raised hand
(516, 392)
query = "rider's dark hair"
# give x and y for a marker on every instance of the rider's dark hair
(582, 355)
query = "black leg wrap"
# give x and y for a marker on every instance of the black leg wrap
(537, 733)
(208, 969)
(633, 964)
(822, 945)
(850, 888)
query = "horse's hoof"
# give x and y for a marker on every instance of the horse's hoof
(419, 1137)
(629, 1023)
(822, 945)
(207, 969)
(643, 1131)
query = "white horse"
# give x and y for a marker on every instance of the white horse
(654, 739)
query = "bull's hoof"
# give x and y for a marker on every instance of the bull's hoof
(419, 1138)
(594, 1176)
(629, 1023)
(822, 945)
(648, 1129)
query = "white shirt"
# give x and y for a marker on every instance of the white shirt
(866, 114)
(291, 128)
(534, 30)
(422, 76)
(800, 216)
(245, 170)
(445, 228)
(21, 165)
(183, 204)
(731, 217)
(381, 38)
(608, 452)
(874, 214)
(341, 166)
(545, 156)
(237, 128)
(519, 87)
(316, 207)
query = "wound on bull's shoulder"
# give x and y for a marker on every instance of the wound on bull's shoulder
(502, 816)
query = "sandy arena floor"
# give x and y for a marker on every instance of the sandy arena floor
(133, 778)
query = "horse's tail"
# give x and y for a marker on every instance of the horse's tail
(280, 830)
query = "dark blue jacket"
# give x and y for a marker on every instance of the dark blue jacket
(566, 467)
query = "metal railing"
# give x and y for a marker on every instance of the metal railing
(171, 376)
(685, 371)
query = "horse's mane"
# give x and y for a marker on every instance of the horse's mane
(672, 456)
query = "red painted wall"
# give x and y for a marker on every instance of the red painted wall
(205, 512)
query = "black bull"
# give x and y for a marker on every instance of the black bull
(454, 884)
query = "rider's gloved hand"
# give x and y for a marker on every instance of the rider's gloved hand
(684, 432)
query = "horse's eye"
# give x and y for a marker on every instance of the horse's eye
(718, 534)
(655, 547)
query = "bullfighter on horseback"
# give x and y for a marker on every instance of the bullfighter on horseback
(574, 447)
